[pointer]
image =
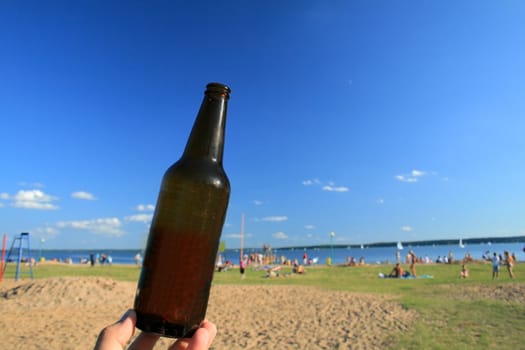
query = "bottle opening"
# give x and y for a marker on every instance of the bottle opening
(218, 88)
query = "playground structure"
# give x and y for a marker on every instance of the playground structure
(20, 244)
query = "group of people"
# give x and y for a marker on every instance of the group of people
(497, 260)
(508, 260)
(398, 272)
(100, 259)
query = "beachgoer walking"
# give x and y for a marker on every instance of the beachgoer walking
(495, 266)
(509, 261)
(413, 261)
(242, 267)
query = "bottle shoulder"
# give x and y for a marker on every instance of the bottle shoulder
(198, 171)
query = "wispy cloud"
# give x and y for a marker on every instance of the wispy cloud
(411, 177)
(145, 218)
(309, 227)
(102, 226)
(4, 195)
(329, 186)
(257, 202)
(332, 188)
(311, 182)
(407, 228)
(83, 195)
(145, 207)
(280, 235)
(238, 235)
(275, 218)
(34, 199)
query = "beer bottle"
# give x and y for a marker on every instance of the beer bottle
(174, 284)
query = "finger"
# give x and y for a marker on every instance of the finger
(212, 330)
(201, 340)
(181, 344)
(144, 341)
(118, 334)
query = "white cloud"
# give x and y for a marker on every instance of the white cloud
(275, 218)
(380, 201)
(280, 235)
(404, 178)
(257, 202)
(309, 227)
(238, 235)
(145, 207)
(103, 226)
(83, 195)
(414, 176)
(311, 182)
(4, 195)
(407, 228)
(145, 218)
(34, 199)
(331, 188)
(1, 205)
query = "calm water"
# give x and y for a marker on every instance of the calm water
(339, 255)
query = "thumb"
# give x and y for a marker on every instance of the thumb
(116, 336)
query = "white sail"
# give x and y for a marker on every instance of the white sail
(399, 245)
(461, 245)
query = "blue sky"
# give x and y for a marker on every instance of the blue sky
(379, 121)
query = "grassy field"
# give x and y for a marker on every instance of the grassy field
(453, 313)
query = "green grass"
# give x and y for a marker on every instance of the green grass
(446, 318)
(120, 273)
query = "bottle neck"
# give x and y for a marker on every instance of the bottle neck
(206, 140)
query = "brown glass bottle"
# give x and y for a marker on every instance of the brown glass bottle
(174, 285)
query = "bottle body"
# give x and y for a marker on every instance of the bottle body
(173, 289)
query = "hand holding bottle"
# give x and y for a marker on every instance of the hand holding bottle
(117, 335)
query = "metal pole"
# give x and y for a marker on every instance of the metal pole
(4, 243)
(19, 260)
(332, 234)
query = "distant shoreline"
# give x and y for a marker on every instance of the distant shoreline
(437, 242)
(484, 240)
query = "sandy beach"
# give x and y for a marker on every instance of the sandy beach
(69, 312)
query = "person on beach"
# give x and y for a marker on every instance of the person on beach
(397, 271)
(138, 259)
(495, 266)
(509, 262)
(413, 261)
(117, 335)
(242, 267)
(464, 271)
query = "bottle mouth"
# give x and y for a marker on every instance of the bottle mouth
(218, 88)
